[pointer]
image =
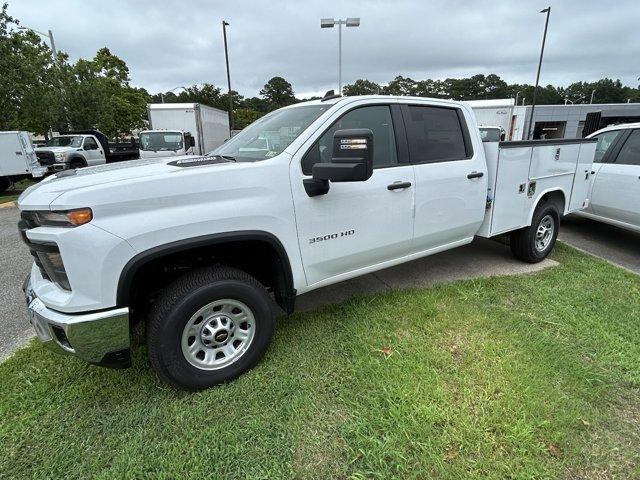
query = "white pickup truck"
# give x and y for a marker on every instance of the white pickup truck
(196, 246)
(81, 149)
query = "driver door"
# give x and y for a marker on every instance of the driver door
(92, 151)
(356, 226)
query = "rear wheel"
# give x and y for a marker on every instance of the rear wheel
(208, 327)
(532, 244)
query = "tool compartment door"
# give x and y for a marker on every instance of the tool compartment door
(510, 198)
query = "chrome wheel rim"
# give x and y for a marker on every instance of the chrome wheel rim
(544, 233)
(218, 334)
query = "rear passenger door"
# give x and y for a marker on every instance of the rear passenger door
(451, 177)
(616, 189)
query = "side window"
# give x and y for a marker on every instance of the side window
(630, 153)
(376, 118)
(90, 144)
(434, 134)
(605, 140)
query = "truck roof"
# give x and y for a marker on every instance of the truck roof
(332, 101)
(619, 126)
(177, 106)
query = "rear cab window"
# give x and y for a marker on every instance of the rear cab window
(630, 152)
(436, 134)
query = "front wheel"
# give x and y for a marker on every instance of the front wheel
(208, 327)
(532, 244)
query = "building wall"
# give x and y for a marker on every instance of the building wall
(573, 115)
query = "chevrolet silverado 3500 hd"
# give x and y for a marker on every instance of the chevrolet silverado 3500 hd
(196, 245)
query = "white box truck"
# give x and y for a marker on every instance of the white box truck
(183, 129)
(17, 159)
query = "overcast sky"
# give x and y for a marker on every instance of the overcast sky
(171, 43)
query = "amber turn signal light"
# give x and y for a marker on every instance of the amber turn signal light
(80, 216)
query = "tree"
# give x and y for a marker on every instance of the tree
(362, 87)
(278, 93)
(245, 116)
(401, 86)
(29, 82)
(98, 95)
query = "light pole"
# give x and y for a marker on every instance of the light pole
(54, 54)
(169, 91)
(517, 95)
(535, 88)
(330, 23)
(46, 35)
(226, 57)
(592, 94)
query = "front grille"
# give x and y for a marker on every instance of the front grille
(28, 221)
(46, 158)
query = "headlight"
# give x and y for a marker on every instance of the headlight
(54, 268)
(60, 156)
(68, 218)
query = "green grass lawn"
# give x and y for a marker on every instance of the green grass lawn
(535, 376)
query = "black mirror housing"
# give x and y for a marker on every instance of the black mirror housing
(352, 159)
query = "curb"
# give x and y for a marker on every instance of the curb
(7, 204)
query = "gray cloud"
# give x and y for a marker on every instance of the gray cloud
(168, 43)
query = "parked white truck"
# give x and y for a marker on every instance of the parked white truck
(183, 129)
(86, 148)
(17, 159)
(195, 246)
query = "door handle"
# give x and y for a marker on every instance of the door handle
(593, 172)
(398, 185)
(475, 175)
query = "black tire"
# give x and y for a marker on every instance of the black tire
(77, 163)
(523, 242)
(4, 184)
(177, 306)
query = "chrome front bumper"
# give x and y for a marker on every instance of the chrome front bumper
(101, 338)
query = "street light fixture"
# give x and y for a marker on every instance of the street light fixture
(46, 35)
(169, 91)
(330, 23)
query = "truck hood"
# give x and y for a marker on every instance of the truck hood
(43, 194)
(56, 149)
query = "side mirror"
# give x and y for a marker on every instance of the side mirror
(352, 161)
(191, 140)
(503, 134)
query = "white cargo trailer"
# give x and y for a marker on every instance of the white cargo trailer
(209, 127)
(17, 158)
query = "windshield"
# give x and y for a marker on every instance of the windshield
(271, 134)
(160, 141)
(74, 141)
(490, 134)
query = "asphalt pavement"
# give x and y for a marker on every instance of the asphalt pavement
(617, 245)
(15, 264)
(482, 258)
